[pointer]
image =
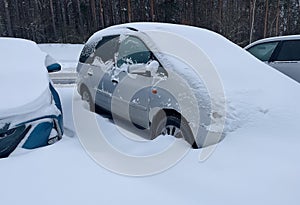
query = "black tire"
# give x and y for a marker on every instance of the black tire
(172, 124)
(86, 96)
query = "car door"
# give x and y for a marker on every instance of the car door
(131, 81)
(286, 59)
(101, 64)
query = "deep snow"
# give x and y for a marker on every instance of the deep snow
(257, 163)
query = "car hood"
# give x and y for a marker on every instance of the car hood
(23, 77)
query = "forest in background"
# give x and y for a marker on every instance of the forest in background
(73, 21)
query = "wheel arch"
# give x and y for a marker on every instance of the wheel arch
(165, 112)
(83, 87)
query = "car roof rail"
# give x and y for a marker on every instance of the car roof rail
(133, 29)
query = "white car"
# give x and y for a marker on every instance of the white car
(30, 108)
(282, 53)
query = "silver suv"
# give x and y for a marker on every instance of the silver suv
(282, 53)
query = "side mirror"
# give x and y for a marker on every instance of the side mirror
(152, 67)
(54, 67)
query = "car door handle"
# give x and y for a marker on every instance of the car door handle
(90, 72)
(114, 81)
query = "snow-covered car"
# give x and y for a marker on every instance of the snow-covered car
(282, 53)
(127, 71)
(30, 107)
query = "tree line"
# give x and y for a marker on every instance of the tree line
(73, 21)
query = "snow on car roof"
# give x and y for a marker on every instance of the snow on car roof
(24, 78)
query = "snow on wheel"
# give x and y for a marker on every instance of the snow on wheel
(174, 125)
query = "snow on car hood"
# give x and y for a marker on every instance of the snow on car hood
(23, 77)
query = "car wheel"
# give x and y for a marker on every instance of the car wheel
(172, 125)
(86, 96)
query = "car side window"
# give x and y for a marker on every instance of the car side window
(100, 52)
(106, 48)
(290, 51)
(263, 51)
(133, 51)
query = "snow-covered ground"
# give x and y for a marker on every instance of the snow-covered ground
(257, 163)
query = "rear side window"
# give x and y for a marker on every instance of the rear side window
(290, 51)
(87, 50)
(105, 49)
(263, 51)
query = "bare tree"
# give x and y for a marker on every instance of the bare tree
(252, 20)
(52, 17)
(129, 10)
(93, 9)
(152, 10)
(101, 14)
(277, 18)
(266, 18)
(8, 19)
